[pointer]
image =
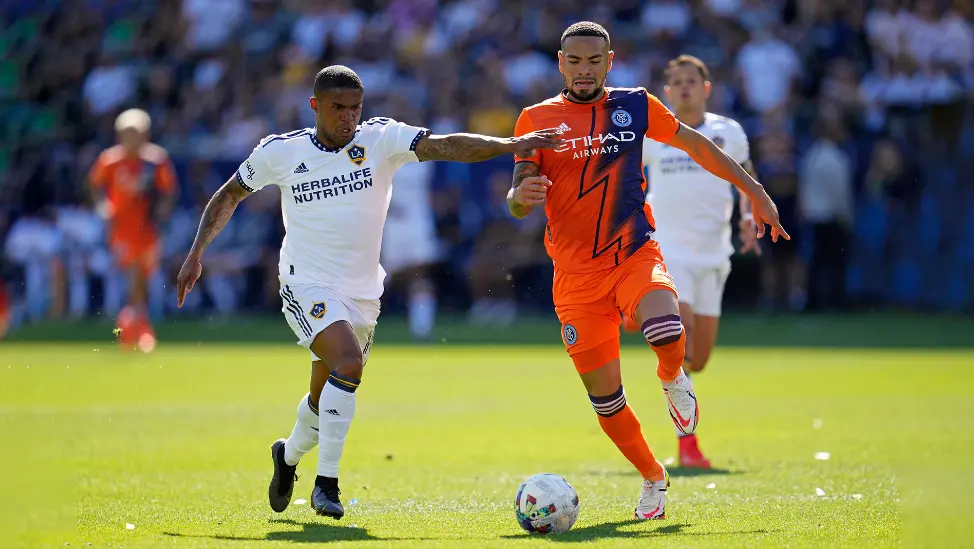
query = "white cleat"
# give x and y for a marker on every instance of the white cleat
(682, 403)
(652, 502)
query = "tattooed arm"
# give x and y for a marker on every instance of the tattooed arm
(704, 152)
(470, 147)
(215, 217)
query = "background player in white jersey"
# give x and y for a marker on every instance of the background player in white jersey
(409, 245)
(336, 184)
(693, 211)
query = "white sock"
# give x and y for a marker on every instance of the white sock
(304, 436)
(422, 312)
(335, 411)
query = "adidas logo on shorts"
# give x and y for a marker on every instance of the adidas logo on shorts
(301, 169)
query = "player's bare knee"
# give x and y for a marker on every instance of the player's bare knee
(700, 359)
(350, 365)
(695, 365)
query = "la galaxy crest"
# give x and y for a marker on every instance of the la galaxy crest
(318, 310)
(356, 153)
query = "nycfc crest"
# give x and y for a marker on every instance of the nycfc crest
(356, 153)
(621, 118)
(318, 310)
(570, 334)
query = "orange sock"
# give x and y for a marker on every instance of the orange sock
(666, 336)
(621, 424)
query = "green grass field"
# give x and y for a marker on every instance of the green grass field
(176, 444)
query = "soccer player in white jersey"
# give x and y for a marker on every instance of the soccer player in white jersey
(336, 184)
(693, 212)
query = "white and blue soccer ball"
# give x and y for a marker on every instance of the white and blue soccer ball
(546, 504)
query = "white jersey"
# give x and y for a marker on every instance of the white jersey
(334, 201)
(691, 206)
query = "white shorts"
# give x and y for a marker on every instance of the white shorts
(406, 245)
(309, 309)
(700, 287)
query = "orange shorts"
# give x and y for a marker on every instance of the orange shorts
(588, 305)
(136, 254)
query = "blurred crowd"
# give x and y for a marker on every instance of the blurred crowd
(859, 114)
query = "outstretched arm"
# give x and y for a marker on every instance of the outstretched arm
(470, 147)
(215, 217)
(704, 152)
(748, 232)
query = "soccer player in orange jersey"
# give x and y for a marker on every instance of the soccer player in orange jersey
(600, 237)
(134, 187)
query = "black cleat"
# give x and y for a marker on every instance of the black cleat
(282, 483)
(324, 498)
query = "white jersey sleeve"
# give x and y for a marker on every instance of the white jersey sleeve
(399, 140)
(258, 171)
(737, 146)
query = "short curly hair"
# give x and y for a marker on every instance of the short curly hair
(337, 77)
(585, 28)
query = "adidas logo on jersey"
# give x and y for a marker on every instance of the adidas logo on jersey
(563, 128)
(301, 169)
(332, 412)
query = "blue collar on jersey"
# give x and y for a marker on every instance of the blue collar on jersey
(324, 148)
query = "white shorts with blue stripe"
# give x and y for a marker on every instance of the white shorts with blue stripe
(309, 309)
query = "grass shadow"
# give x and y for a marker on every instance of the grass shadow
(674, 472)
(311, 532)
(609, 530)
(690, 472)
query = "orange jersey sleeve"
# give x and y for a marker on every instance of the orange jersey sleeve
(524, 126)
(166, 176)
(662, 124)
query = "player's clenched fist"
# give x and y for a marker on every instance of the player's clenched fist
(532, 191)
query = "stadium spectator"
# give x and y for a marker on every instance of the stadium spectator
(825, 197)
(216, 75)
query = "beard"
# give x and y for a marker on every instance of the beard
(585, 97)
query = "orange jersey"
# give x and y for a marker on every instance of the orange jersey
(596, 206)
(132, 185)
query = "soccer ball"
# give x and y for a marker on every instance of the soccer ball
(546, 504)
